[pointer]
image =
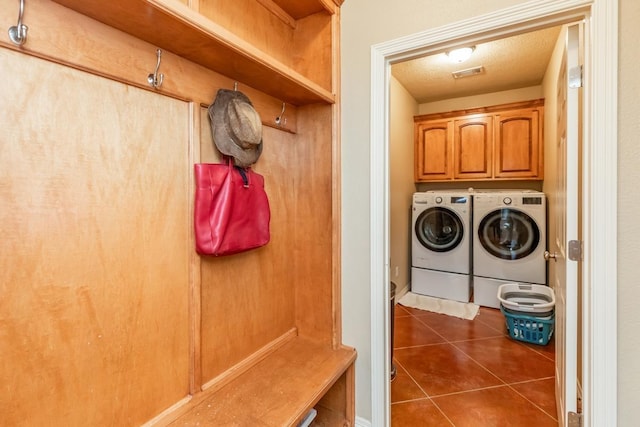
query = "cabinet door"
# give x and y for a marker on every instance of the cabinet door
(473, 138)
(433, 153)
(518, 149)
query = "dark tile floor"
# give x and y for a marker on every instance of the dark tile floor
(455, 372)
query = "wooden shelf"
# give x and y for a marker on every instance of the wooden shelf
(175, 27)
(277, 391)
(299, 9)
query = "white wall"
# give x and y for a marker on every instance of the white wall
(368, 22)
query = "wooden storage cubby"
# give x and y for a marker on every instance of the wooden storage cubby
(250, 339)
(246, 46)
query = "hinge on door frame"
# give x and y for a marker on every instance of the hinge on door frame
(575, 77)
(574, 419)
(575, 250)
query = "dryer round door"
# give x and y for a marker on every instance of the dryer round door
(508, 234)
(439, 229)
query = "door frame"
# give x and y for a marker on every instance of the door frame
(599, 204)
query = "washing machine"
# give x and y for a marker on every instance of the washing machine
(441, 245)
(509, 241)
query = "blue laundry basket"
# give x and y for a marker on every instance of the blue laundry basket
(531, 329)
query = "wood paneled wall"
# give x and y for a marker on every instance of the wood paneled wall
(248, 299)
(313, 243)
(94, 261)
(107, 315)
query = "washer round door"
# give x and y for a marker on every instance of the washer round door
(439, 229)
(508, 234)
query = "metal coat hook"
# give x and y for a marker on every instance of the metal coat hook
(281, 116)
(18, 33)
(155, 79)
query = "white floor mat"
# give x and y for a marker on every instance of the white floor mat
(438, 305)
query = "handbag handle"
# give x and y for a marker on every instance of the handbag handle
(243, 174)
(241, 170)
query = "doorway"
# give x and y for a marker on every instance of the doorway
(520, 69)
(602, 120)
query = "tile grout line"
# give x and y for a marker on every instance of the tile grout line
(430, 328)
(413, 379)
(451, 343)
(471, 390)
(533, 403)
(500, 379)
(536, 351)
(425, 393)
(502, 333)
(503, 381)
(504, 384)
(478, 363)
(487, 369)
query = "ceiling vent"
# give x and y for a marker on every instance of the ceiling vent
(468, 72)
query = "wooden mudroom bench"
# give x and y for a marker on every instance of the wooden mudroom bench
(279, 390)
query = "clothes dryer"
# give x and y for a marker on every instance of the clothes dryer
(509, 242)
(441, 245)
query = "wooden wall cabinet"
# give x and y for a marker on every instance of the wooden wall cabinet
(473, 138)
(434, 150)
(501, 142)
(518, 144)
(109, 315)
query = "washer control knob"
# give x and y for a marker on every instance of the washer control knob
(438, 199)
(507, 200)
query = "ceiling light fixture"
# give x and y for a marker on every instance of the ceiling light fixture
(460, 55)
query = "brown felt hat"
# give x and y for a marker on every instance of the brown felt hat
(236, 127)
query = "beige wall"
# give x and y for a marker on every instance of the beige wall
(628, 214)
(550, 85)
(495, 98)
(368, 22)
(401, 111)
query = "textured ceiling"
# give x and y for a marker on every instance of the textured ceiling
(509, 63)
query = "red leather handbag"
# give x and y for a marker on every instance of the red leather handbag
(231, 212)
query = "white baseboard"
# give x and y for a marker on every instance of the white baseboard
(361, 422)
(401, 292)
